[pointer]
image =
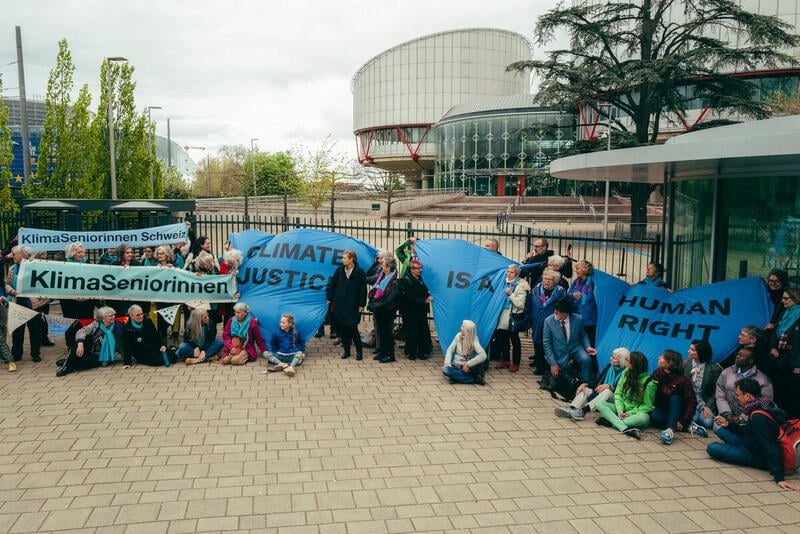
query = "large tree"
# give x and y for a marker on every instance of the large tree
(64, 170)
(135, 154)
(653, 57)
(321, 171)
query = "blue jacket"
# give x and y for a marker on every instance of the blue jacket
(586, 306)
(286, 342)
(542, 310)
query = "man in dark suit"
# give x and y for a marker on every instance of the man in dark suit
(565, 338)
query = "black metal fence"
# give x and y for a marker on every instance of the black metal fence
(623, 257)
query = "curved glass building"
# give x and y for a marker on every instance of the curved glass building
(399, 94)
(495, 146)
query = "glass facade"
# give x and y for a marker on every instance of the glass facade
(496, 154)
(756, 227)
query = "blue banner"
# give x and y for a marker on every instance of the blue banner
(651, 319)
(463, 279)
(288, 273)
(55, 279)
(52, 240)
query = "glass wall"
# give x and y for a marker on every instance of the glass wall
(473, 152)
(758, 228)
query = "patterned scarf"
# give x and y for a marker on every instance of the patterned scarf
(382, 282)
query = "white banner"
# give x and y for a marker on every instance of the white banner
(18, 316)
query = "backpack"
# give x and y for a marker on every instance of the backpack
(788, 439)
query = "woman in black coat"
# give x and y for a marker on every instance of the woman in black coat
(414, 305)
(140, 340)
(383, 304)
(346, 294)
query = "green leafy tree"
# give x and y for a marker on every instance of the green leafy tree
(782, 104)
(174, 186)
(64, 170)
(640, 59)
(7, 203)
(321, 171)
(275, 173)
(132, 135)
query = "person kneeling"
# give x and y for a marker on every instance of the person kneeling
(465, 359)
(286, 348)
(587, 396)
(754, 442)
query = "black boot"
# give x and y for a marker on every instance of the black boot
(359, 356)
(320, 332)
(346, 353)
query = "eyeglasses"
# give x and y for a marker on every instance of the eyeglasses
(786, 298)
(773, 281)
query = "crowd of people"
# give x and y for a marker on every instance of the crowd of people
(688, 395)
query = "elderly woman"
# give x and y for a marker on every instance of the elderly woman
(516, 294)
(559, 264)
(784, 354)
(200, 341)
(96, 344)
(582, 293)
(141, 341)
(21, 253)
(589, 395)
(464, 359)
(543, 303)
(383, 305)
(164, 256)
(76, 308)
(200, 245)
(232, 259)
(243, 325)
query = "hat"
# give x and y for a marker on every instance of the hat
(414, 263)
(564, 305)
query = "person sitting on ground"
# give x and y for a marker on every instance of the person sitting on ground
(243, 325)
(675, 403)
(141, 341)
(286, 348)
(235, 353)
(589, 395)
(703, 375)
(727, 401)
(464, 360)
(654, 276)
(96, 345)
(200, 343)
(517, 290)
(753, 442)
(633, 399)
(564, 338)
(543, 303)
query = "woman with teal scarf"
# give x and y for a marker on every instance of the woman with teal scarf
(383, 305)
(140, 340)
(245, 326)
(96, 345)
(785, 353)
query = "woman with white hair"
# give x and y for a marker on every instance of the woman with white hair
(96, 344)
(140, 340)
(464, 361)
(588, 396)
(243, 325)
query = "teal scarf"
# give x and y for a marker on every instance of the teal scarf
(240, 329)
(107, 349)
(790, 316)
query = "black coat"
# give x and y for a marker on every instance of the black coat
(143, 343)
(413, 295)
(347, 295)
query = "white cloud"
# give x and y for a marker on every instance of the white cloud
(226, 72)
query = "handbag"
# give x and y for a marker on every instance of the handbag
(519, 322)
(565, 384)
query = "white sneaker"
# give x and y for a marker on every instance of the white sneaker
(282, 365)
(563, 412)
(701, 431)
(666, 436)
(577, 414)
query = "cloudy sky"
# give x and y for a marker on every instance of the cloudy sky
(226, 72)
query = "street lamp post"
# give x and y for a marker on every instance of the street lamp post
(152, 141)
(111, 149)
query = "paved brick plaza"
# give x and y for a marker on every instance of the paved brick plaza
(346, 447)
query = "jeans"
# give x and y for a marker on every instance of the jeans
(733, 451)
(455, 373)
(187, 351)
(700, 419)
(668, 417)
